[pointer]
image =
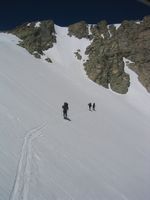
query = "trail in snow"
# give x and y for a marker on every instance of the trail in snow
(99, 155)
(23, 175)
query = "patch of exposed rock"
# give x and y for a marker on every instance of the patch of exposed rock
(48, 60)
(78, 55)
(36, 36)
(79, 30)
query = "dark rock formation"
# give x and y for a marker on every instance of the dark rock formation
(36, 38)
(79, 30)
(77, 53)
(48, 60)
(105, 64)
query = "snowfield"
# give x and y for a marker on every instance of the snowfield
(98, 155)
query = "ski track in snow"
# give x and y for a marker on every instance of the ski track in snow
(101, 155)
(22, 181)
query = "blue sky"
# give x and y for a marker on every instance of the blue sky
(65, 12)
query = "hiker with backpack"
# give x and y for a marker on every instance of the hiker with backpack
(65, 108)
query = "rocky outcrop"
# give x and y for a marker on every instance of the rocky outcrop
(105, 64)
(78, 55)
(109, 44)
(140, 53)
(36, 36)
(48, 60)
(79, 30)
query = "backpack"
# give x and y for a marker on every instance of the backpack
(66, 105)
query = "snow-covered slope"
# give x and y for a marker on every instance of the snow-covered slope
(102, 154)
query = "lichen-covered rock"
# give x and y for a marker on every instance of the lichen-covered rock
(79, 30)
(105, 64)
(139, 50)
(36, 38)
(120, 83)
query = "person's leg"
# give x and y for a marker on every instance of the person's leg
(63, 113)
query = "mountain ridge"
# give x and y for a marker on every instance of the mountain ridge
(109, 44)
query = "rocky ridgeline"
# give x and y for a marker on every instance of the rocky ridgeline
(109, 44)
(36, 36)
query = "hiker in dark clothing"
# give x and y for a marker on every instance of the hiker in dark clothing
(65, 108)
(93, 106)
(90, 105)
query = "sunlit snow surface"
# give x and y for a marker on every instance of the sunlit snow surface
(103, 154)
